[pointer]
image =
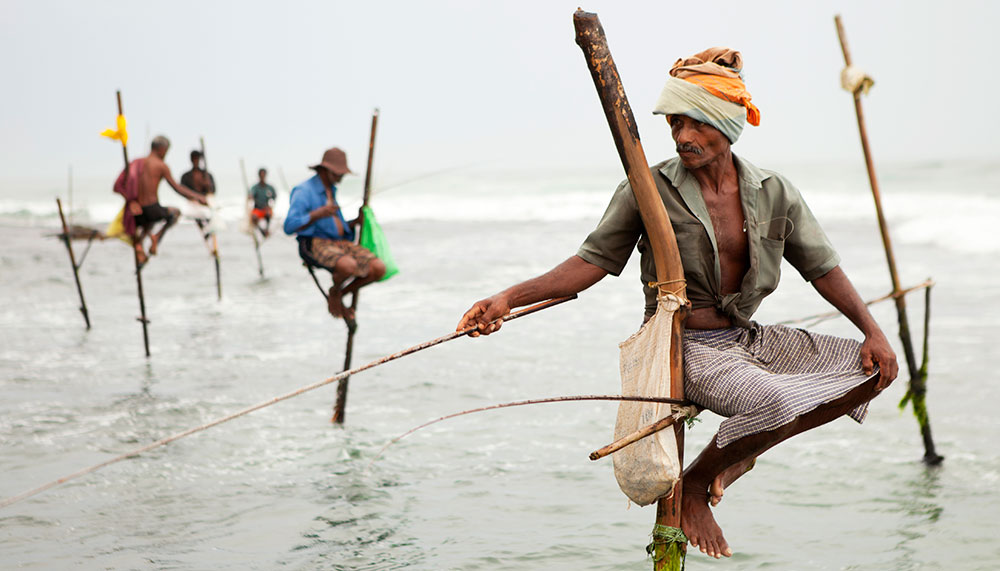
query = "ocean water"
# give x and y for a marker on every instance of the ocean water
(509, 489)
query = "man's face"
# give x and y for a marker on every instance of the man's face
(329, 177)
(698, 144)
(263, 175)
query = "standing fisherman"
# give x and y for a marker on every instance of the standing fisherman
(326, 238)
(733, 222)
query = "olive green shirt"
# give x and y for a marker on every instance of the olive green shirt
(777, 222)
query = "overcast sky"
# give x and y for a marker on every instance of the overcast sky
(492, 83)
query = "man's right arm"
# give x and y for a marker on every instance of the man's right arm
(568, 278)
(300, 217)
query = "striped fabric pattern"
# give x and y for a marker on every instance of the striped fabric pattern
(765, 377)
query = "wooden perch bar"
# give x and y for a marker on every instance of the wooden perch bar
(638, 435)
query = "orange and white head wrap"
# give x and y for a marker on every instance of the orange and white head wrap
(708, 87)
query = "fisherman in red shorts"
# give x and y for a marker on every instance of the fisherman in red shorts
(262, 195)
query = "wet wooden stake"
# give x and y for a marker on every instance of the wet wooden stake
(917, 391)
(340, 407)
(253, 229)
(667, 555)
(72, 261)
(215, 239)
(138, 267)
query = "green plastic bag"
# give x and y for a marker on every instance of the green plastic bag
(374, 241)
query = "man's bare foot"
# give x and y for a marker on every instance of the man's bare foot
(335, 304)
(154, 242)
(699, 526)
(140, 255)
(726, 478)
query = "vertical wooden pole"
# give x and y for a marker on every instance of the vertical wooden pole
(72, 260)
(918, 380)
(667, 555)
(340, 407)
(253, 231)
(138, 267)
(215, 239)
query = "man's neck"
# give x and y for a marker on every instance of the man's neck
(716, 175)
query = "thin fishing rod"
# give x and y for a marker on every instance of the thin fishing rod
(164, 441)
(574, 398)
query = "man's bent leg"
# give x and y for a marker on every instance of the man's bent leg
(709, 469)
(173, 215)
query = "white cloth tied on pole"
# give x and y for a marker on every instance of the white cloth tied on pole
(853, 79)
(648, 469)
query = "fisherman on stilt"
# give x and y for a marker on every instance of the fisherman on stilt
(733, 222)
(326, 238)
(262, 196)
(202, 182)
(143, 210)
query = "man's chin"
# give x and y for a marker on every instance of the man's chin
(690, 160)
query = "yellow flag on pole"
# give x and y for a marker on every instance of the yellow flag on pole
(119, 134)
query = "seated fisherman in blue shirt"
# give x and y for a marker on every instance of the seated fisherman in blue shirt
(325, 238)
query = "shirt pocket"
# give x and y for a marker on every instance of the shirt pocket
(697, 255)
(769, 264)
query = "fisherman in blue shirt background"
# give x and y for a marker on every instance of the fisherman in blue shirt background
(326, 238)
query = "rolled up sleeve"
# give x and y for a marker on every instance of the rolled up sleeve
(612, 241)
(807, 247)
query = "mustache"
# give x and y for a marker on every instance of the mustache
(688, 148)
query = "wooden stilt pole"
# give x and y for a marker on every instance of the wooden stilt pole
(918, 378)
(668, 554)
(215, 239)
(138, 267)
(253, 230)
(340, 407)
(72, 261)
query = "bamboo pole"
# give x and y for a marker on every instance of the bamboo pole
(215, 239)
(253, 230)
(591, 39)
(380, 361)
(138, 267)
(72, 261)
(340, 407)
(917, 390)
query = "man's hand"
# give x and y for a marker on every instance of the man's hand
(324, 211)
(876, 350)
(482, 313)
(203, 200)
(135, 208)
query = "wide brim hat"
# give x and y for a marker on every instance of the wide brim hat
(335, 161)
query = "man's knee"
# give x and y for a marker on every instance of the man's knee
(346, 266)
(377, 269)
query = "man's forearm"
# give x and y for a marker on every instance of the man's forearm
(570, 277)
(838, 290)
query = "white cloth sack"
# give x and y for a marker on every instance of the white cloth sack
(648, 469)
